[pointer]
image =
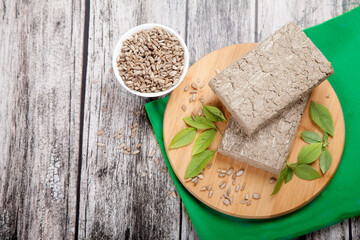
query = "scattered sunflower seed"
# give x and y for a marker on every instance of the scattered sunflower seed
(226, 202)
(243, 187)
(256, 196)
(230, 171)
(188, 179)
(248, 203)
(225, 195)
(104, 91)
(121, 146)
(126, 152)
(137, 112)
(228, 191)
(193, 91)
(190, 99)
(209, 166)
(200, 176)
(233, 181)
(272, 180)
(193, 97)
(200, 112)
(202, 84)
(218, 170)
(210, 194)
(209, 187)
(143, 174)
(152, 153)
(183, 107)
(231, 200)
(135, 152)
(237, 188)
(121, 131)
(247, 196)
(203, 189)
(194, 86)
(100, 132)
(222, 175)
(328, 96)
(173, 194)
(243, 201)
(95, 81)
(196, 181)
(193, 116)
(186, 88)
(156, 161)
(139, 145)
(239, 173)
(222, 185)
(128, 148)
(101, 144)
(202, 100)
(223, 171)
(217, 71)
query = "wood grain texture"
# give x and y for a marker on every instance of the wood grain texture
(40, 78)
(256, 180)
(123, 196)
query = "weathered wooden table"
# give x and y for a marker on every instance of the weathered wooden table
(61, 109)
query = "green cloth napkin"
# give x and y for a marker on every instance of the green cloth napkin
(339, 41)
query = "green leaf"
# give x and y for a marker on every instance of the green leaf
(183, 138)
(292, 164)
(198, 162)
(306, 172)
(203, 141)
(322, 117)
(311, 137)
(325, 161)
(289, 174)
(213, 114)
(279, 181)
(325, 138)
(309, 153)
(199, 122)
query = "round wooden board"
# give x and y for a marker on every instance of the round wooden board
(291, 196)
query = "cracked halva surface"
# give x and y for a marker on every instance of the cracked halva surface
(271, 77)
(268, 148)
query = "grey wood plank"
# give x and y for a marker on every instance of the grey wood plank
(355, 228)
(212, 25)
(40, 77)
(123, 196)
(273, 15)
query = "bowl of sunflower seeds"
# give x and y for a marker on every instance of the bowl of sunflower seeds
(150, 60)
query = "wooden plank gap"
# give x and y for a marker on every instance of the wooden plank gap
(82, 110)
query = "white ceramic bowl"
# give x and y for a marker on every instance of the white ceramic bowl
(140, 28)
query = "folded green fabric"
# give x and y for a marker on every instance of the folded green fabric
(339, 40)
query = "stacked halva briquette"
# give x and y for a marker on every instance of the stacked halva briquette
(266, 92)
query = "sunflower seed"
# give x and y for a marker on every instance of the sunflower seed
(186, 88)
(247, 196)
(209, 166)
(218, 170)
(183, 107)
(128, 148)
(143, 174)
(210, 194)
(225, 195)
(126, 152)
(194, 86)
(152, 153)
(328, 96)
(226, 202)
(243, 201)
(231, 200)
(135, 152)
(222, 185)
(156, 161)
(202, 100)
(193, 97)
(200, 176)
(228, 191)
(243, 187)
(194, 179)
(121, 146)
(190, 99)
(121, 131)
(173, 194)
(193, 116)
(209, 187)
(193, 91)
(101, 144)
(222, 175)
(202, 84)
(217, 71)
(203, 189)
(233, 181)
(100, 132)
(248, 203)
(188, 179)
(256, 196)
(200, 112)
(239, 173)
(223, 171)
(139, 145)
(272, 180)
(237, 188)
(230, 171)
